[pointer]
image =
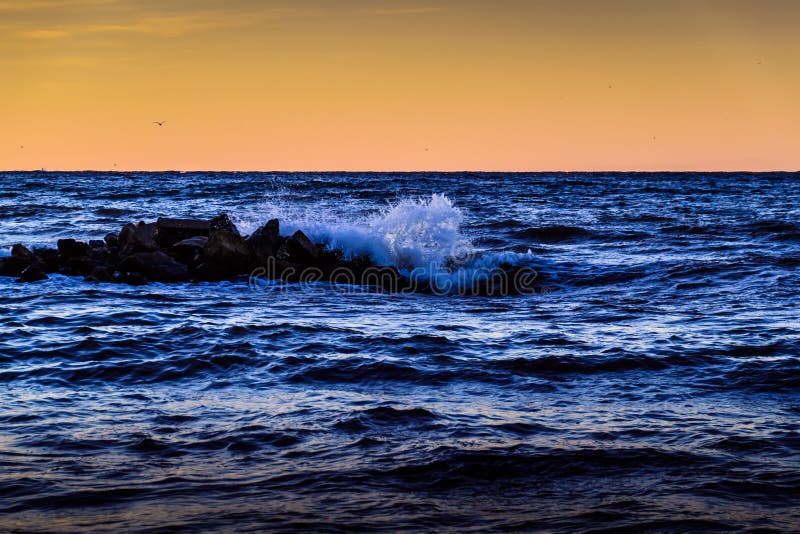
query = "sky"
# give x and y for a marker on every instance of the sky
(501, 85)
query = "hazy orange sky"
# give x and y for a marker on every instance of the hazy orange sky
(402, 85)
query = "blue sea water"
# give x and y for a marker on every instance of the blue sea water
(655, 385)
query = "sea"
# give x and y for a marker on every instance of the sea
(651, 383)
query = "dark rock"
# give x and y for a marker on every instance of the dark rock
(132, 279)
(32, 273)
(189, 251)
(210, 273)
(97, 243)
(171, 231)
(12, 266)
(19, 260)
(301, 249)
(284, 270)
(273, 227)
(112, 240)
(192, 242)
(101, 255)
(156, 266)
(283, 253)
(222, 223)
(137, 238)
(22, 253)
(227, 252)
(330, 260)
(100, 274)
(386, 278)
(73, 257)
(70, 248)
(78, 266)
(48, 258)
(265, 242)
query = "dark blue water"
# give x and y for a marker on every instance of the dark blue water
(654, 386)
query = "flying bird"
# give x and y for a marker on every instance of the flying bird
(160, 123)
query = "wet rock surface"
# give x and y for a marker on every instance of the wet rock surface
(171, 231)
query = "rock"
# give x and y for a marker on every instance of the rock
(100, 274)
(12, 266)
(189, 251)
(222, 223)
(226, 252)
(283, 253)
(100, 253)
(265, 242)
(70, 248)
(273, 227)
(156, 266)
(19, 260)
(171, 231)
(73, 257)
(32, 273)
(22, 253)
(132, 279)
(284, 270)
(112, 240)
(301, 249)
(388, 279)
(77, 258)
(137, 238)
(97, 244)
(78, 266)
(210, 273)
(48, 258)
(192, 242)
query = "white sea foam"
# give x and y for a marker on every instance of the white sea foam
(408, 234)
(422, 236)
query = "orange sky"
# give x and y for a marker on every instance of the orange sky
(402, 85)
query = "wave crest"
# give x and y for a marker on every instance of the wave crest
(408, 234)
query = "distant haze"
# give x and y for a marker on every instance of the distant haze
(400, 85)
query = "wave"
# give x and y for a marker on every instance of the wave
(463, 468)
(553, 234)
(421, 237)
(407, 234)
(386, 416)
(775, 229)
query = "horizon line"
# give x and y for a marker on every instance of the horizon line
(332, 171)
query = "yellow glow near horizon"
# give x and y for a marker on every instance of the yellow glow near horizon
(403, 85)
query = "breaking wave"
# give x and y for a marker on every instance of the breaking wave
(417, 235)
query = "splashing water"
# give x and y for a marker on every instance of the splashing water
(423, 233)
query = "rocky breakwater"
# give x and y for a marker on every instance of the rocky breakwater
(184, 250)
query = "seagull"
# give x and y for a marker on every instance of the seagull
(160, 123)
